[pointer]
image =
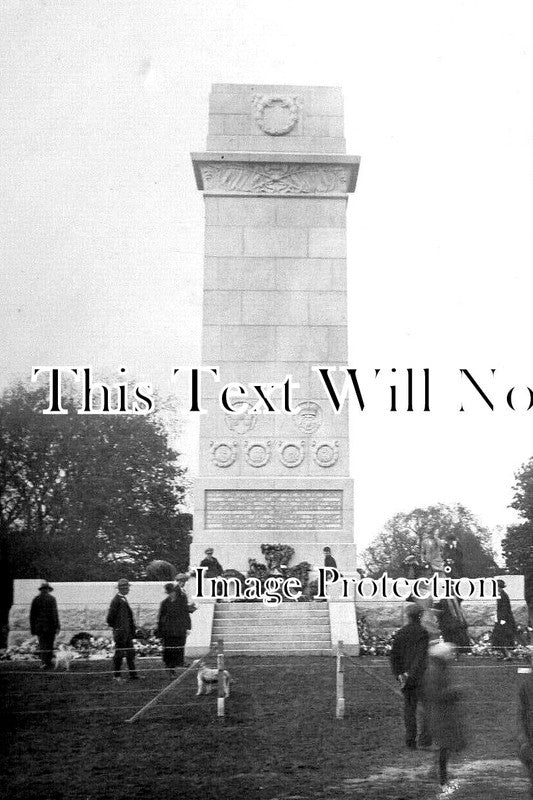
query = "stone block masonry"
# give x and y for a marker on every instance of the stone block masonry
(275, 179)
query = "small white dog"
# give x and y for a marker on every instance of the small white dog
(208, 679)
(64, 657)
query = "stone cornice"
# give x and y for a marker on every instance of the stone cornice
(286, 174)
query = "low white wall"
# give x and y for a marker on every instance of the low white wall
(83, 607)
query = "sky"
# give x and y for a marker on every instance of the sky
(101, 224)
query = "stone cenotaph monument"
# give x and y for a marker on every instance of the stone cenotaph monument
(275, 180)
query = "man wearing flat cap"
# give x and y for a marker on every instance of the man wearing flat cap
(120, 618)
(44, 622)
(214, 568)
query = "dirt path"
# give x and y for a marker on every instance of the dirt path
(491, 779)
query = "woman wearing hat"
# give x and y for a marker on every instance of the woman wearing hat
(504, 632)
(174, 623)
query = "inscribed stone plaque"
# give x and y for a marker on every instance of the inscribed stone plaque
(269, 509)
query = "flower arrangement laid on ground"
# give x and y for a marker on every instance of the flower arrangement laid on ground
(93, 648)
(376, 644)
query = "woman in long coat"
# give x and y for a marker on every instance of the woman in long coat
(504, 632)
(173, 625)
(443, 706)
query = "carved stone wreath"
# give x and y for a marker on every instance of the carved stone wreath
(325, 453)
(257, 454)
(223, 454)
(308, 417)
(291, 454)
(241, 423)
(275, 114)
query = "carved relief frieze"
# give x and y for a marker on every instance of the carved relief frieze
(223, 453)
(257, 453)
(272, 178)
(308, 417)
(325, 453)
(291, 453)
(241, 422)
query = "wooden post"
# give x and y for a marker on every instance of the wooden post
(340, 681)
(164, 691)
(221, 699)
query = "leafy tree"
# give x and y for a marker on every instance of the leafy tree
(403, 534)
(86, 497)
(517, 546)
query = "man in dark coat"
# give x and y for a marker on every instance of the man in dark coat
(452, 623)
(214, 568)
(329, 561)
(44, 622)
(174, 623)
(120, 618)
(408, 662)
(452, 553)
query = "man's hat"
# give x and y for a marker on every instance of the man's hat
(209, 551)
(123, 582)
(327, 549)
(45, 587)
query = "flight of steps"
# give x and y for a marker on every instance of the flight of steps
(286, 629)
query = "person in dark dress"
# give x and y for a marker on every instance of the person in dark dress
(174, 624)
(44, 622)
(504, 632)
(408, 662)
(120, 618)
(214, 568)
(329, 561)
(444, 707)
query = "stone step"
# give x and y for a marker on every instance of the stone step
(277, 636)
(241, 609)
(265, 648)
(230, 627)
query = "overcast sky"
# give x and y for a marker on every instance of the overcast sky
(102, 226)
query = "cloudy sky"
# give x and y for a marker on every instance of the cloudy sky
(102, 226)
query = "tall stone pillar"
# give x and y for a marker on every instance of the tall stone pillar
(275, 180)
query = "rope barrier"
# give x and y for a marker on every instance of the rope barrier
(164, 691)
(376, 678)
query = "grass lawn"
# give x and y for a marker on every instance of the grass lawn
(63, 735)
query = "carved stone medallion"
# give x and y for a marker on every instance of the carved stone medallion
(308, 417)
(242, 422)
(291, 454)
(325, 453)
(223, 454)
(275, 114)
(257, 454)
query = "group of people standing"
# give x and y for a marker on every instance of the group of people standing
(173, 626)
(432, 713)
